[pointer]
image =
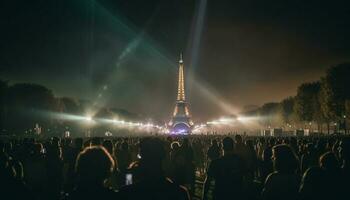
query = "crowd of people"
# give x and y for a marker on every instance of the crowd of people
(175, 167)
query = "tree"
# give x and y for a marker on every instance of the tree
(336, 91)
(28, 104)
(318, 114)
(286, 109)
(3, 93)
(307, 106)
(70, 105)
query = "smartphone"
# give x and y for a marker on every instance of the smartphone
(128, 179)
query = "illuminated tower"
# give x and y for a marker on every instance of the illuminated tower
(181, 122)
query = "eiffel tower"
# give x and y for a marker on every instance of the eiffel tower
(181, 122)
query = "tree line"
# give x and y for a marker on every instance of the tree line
(319, 105)
(23, 105)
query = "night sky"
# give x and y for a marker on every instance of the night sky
(124, 53)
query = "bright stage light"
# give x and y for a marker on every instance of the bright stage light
(180, 132)
(222, 121)
(90, 120)
(243, 119)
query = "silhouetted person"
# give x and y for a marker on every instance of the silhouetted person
(332, 174)
(266, 165)
(227, 172)
(309, 158)
(123, 157)
(312, 185)
(11, 187)
(177, 162)
(251, 161)
(54, 164)
(240, 148)
(93, 167)
(123, 160)
(214, 151)
(149, 182)
(175, 147)
(344, 155)
(198, 148)
(187, 177)
(35, 171)
(108, 145)
(71, 158)
(283, 183)
(323, 181)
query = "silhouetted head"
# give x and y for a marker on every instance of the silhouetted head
(250, 144)
(293, 142)
(53, 151)
(124, 146)
(36, 149)
(309, 147)
(96, 141)
(185, 142)
(175, 145)
(284, 159)
(94, 165)
(271, 142)
(328, 161)
(214, 142)
(238, 139)
(152, 150)
(78, 143)
(267, 154)
(169, 139)
(321, 144)
(227, 144)
(108, 145)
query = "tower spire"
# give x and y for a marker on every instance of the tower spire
(181, 81)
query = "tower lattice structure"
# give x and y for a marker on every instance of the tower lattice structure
(181, 120)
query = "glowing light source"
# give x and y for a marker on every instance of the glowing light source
(89, 119)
